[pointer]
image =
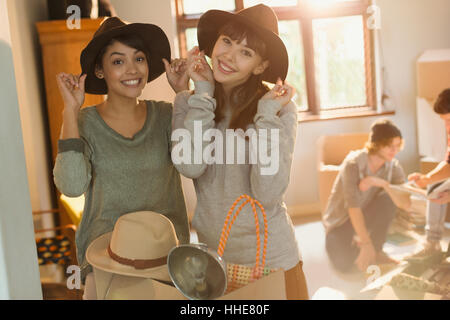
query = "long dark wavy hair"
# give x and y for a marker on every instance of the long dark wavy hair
(243, 98)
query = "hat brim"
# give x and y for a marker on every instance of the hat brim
(118, 287)
(155, 41)
(97, 255)
(207, 34)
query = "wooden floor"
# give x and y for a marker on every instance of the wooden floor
(319, 272)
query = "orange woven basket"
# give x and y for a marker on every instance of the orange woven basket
(240, 275)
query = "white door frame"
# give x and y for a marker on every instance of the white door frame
(19, 270)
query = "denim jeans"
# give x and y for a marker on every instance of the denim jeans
(436, 214)
(378, 215)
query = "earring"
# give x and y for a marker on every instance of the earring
(99, 75)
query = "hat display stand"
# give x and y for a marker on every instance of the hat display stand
(197, 271)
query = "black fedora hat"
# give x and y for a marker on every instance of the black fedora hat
(153, 37)
(262, 20)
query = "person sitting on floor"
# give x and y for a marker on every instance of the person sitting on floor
(362, 204)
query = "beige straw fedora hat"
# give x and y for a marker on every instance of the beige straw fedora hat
(138, 246)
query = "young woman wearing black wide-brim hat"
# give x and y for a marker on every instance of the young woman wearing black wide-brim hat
(245, 50)
(117, 153)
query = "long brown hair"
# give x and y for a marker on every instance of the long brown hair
(243, 98)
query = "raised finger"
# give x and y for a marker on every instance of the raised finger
(199, 66)
(167, 65)
(286, 90)
(276, 89)
(279, 82)
(73, 81)
(193, 52)
(60, 80)
(77, 80)
(82, 81)
(66, 80)
(178, 65)
(202, 57)
(183, 64)
(63, 83)
(193, 67)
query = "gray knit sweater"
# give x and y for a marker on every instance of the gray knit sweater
(119, 175)
(218, 185)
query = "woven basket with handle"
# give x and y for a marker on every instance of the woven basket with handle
(239, 275)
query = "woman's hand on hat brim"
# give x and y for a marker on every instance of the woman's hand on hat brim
(281, 92)
(71, 88)
(177, 75)
(197, 66)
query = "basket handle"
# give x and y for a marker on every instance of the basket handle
(227, 227)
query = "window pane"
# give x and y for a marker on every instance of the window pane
(191, 38)
(291, 36)
(324, 3)
(196, 6)
(191, 41)
(271, 3)
(339, 61)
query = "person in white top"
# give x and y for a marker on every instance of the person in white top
(245, 50)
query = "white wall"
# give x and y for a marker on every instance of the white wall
(31, 94)
(158, 13)
(407, 29)
(19, 273)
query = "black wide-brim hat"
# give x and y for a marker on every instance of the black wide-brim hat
(263, 21)
(153, 37)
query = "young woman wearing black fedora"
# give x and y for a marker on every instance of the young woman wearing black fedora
(245, 50)
(118, 153)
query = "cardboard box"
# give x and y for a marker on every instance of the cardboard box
(391, 293)
(332, 150)
(427, 164)
(433, 73)
(117, 287)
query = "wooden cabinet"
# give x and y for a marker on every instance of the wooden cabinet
(61, 49)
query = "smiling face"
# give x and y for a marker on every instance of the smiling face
(389, 151)
(125, 70)
(233, 62)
